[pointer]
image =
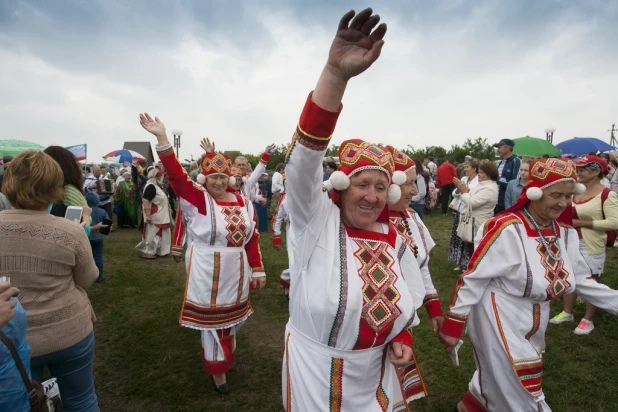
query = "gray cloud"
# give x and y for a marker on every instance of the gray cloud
(77, 72)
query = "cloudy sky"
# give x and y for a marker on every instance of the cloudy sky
(238, 71)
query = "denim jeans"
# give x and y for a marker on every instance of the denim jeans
(97, 254)
(73, 369)
(418, 208)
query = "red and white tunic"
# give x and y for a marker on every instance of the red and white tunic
(504, 296)
(420, 238)
(352, 293)
(222, 255)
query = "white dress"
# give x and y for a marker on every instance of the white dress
(352, 292)
(222, 257)
(504, 296)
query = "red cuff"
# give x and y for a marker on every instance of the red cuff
(405, 337)
(317, 122)
(265, 158)
(433, 308)
(453, 326)
(276, 240)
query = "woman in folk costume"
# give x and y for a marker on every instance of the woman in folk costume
(417, 237)
(282, 214)
(248, 186)
(524, 258)
(223, 257)
(594, 213)
(355, 284)
(156, 233)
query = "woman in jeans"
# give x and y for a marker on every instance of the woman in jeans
(50, 261)
(422, 178)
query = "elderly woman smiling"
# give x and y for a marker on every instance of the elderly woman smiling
(524, 259)
(355, 283)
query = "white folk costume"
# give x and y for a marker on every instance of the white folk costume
(222, 257)
(514, 273)
(249, 187)
(417, 237)
(352, 291)
(156, 236)
(282, 214)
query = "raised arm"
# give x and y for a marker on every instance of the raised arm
(261, 166)
(180, 182)
(353, 51)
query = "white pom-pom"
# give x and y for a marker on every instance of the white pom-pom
(393, 194)
(534, 193)
(244, 179)
(579, 189)
(399, 177)
(201, 179)
(339, 180)
(232, 181)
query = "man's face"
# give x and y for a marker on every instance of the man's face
(504, 151)
(242, 165)
(96, 171)
(265, 178)
(425, 162)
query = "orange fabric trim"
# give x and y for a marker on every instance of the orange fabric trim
(184, 299)
(288, 381)
(215, 280)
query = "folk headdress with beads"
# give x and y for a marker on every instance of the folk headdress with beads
(356, 155)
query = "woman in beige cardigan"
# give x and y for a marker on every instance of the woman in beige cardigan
(49, 259)
(482, 199)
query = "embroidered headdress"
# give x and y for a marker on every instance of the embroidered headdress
(402, 163)
(215, 164)
(543, 174)
(356, 155)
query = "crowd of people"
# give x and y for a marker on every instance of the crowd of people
(524, 232)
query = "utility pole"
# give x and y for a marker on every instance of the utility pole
(612, 139)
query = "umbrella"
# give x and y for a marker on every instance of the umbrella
(123, 155)
(14, 147)
(584, 145)
(533, 146)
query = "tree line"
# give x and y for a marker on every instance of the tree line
(478, 148)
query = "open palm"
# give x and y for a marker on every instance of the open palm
(355, 46)
(154, 126)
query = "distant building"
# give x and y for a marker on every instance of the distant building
(143, 148)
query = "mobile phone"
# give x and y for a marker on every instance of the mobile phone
(74, 213)
(107, 226)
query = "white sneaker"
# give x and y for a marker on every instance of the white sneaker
(584, 327)
(457, 269)
(561, 318)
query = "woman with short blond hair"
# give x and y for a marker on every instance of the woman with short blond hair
(50, 261)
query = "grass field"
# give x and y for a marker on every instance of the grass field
(146, 362)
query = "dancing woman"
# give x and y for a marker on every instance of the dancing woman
(223, 256)
(417, 237)
(524, 259)
(355, 284)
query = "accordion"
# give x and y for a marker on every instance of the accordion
(105, 187)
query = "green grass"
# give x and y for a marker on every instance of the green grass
(146, 362)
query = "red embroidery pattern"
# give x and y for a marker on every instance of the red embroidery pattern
(379, 293)
(236, 226)
(554, 271)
